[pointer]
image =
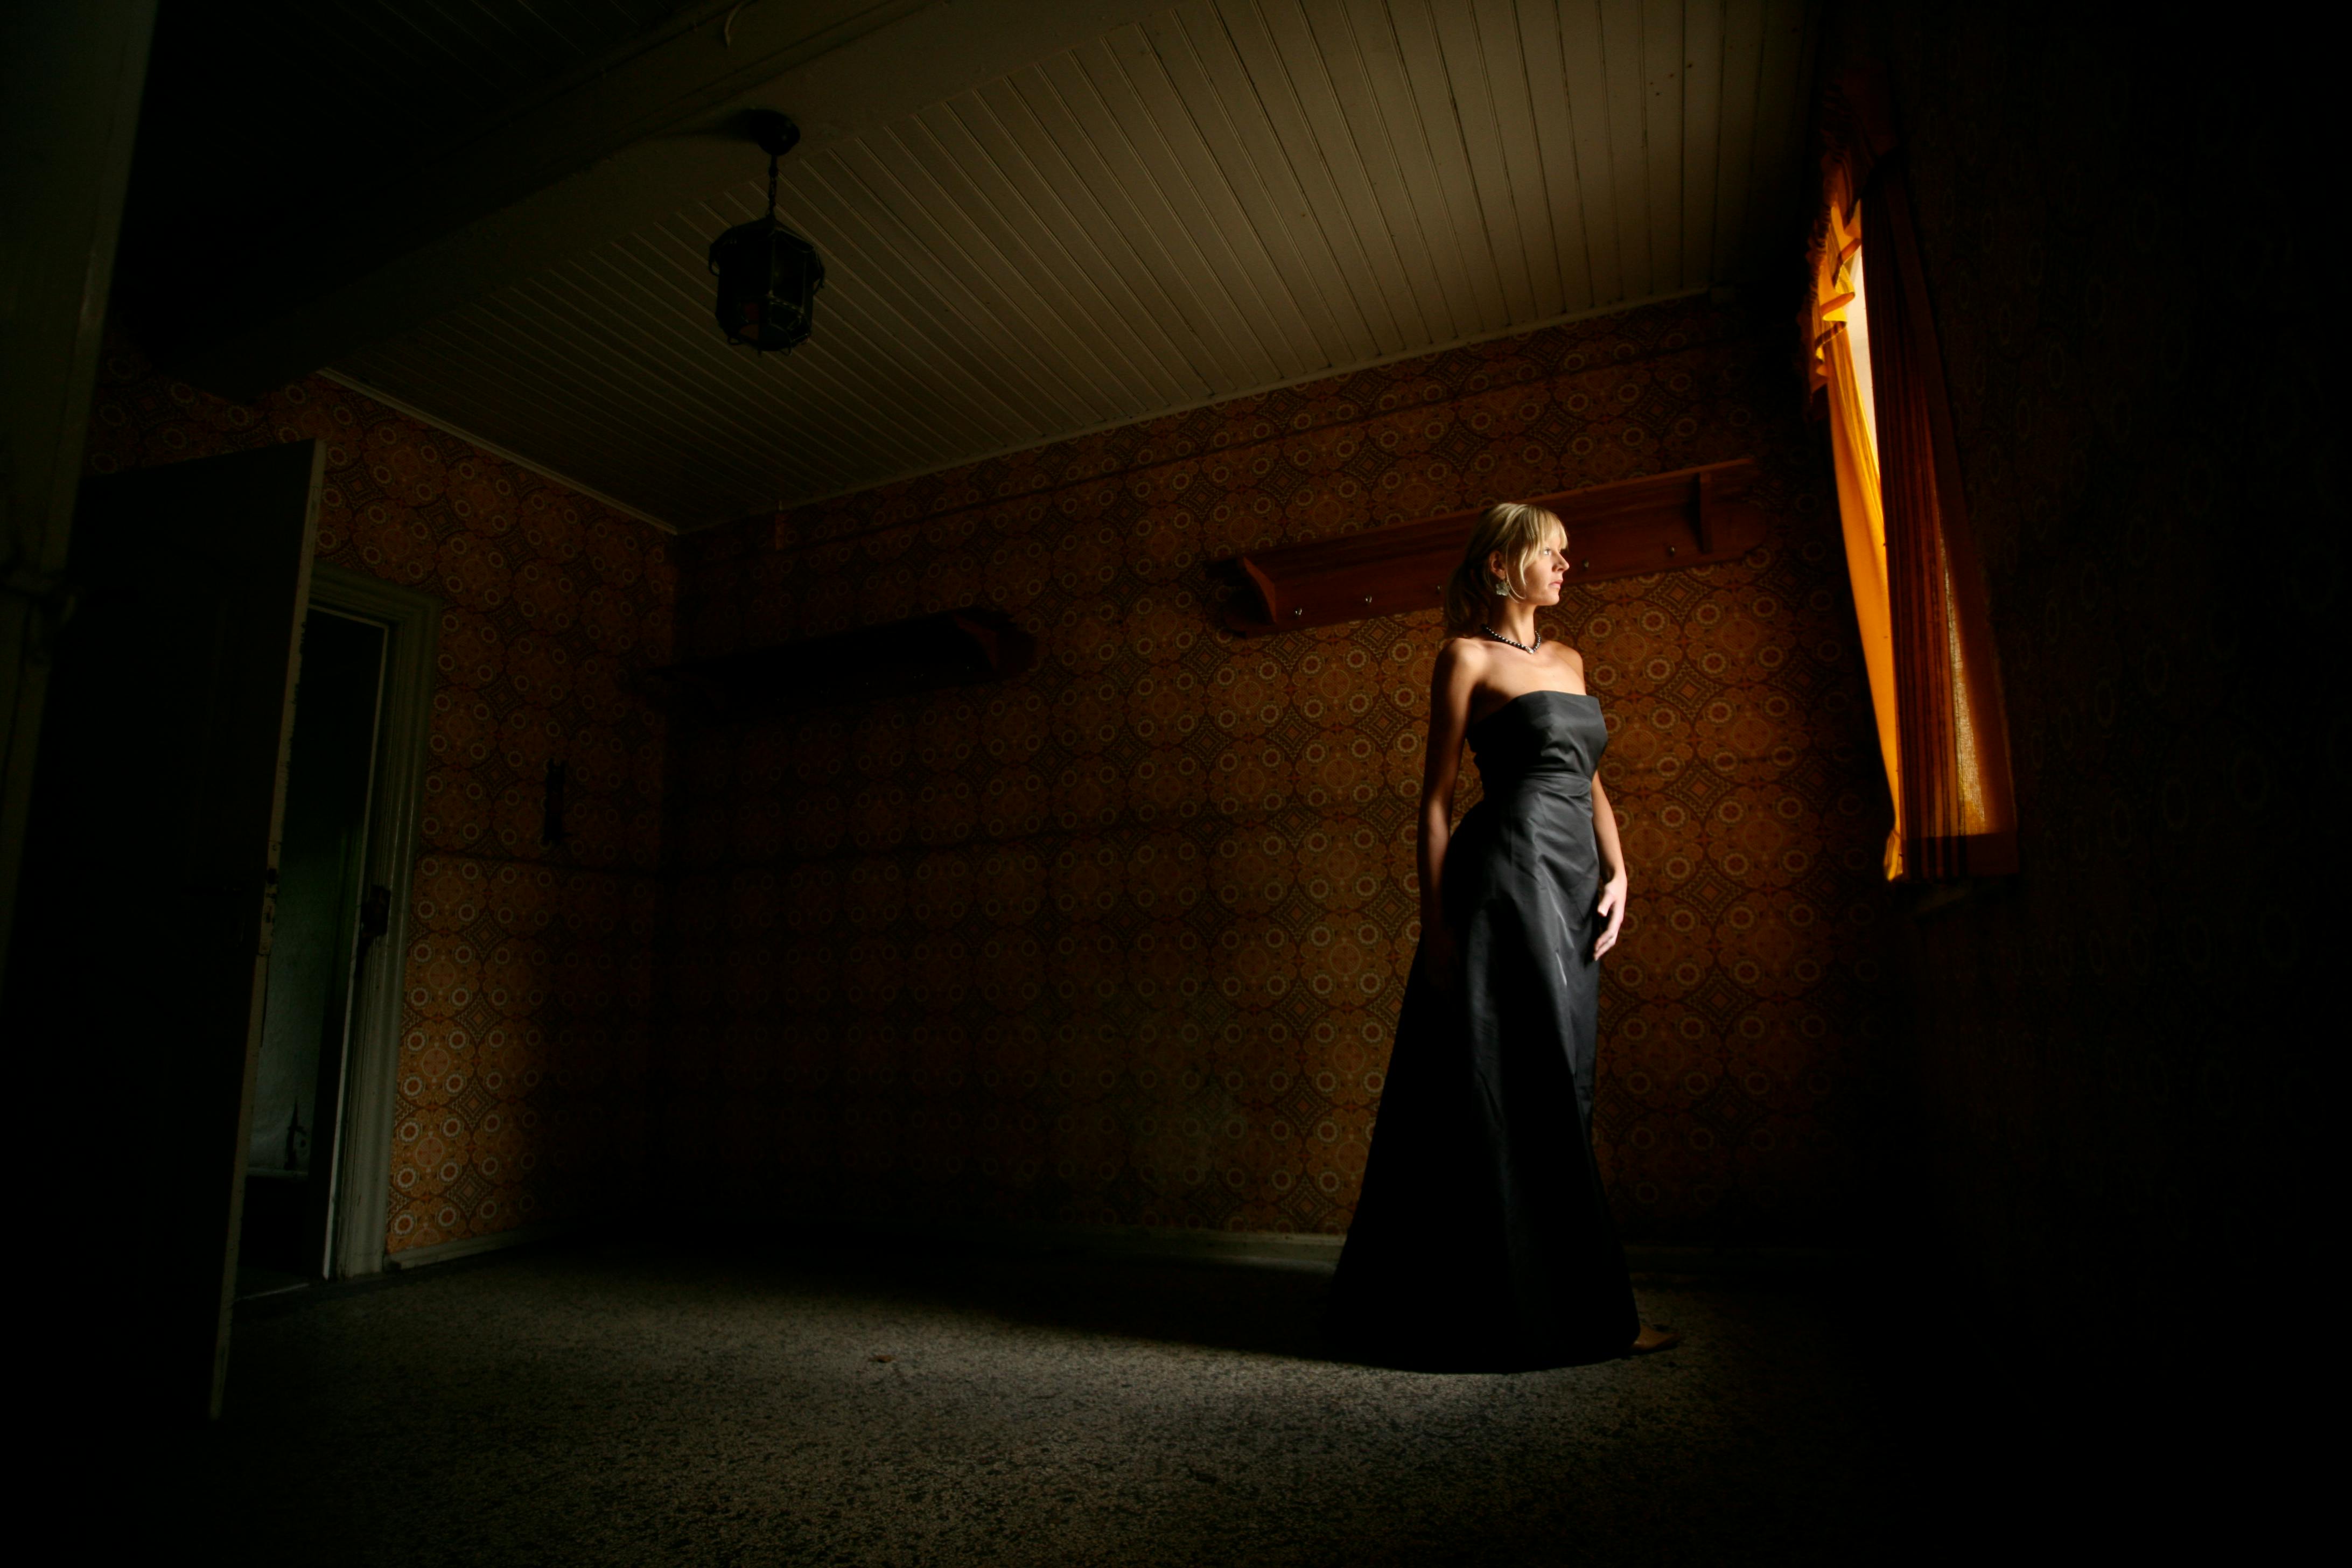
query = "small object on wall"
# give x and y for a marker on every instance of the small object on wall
(968, 647)
(768, 276)
(1692, 517)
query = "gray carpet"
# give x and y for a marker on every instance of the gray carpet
(603, 1406)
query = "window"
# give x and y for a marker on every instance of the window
(1918, 592)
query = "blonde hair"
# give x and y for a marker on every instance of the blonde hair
(1521, 532)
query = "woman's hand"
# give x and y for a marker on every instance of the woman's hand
(1612, 910)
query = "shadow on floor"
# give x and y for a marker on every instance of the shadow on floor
(1253, 1309)
(609, 1405)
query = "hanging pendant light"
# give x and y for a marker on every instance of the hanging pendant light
(768, 276)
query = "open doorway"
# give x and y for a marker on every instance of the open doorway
(326, 918)
(138, 964)
(317, 1162)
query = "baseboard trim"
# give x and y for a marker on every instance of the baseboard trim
(1139, 1243)
(1241, 1248)
(1013, 1239)
(1288, 1250)
(473, 1245)
(1248, 1248)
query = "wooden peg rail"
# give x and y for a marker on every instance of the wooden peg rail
(1661, 523)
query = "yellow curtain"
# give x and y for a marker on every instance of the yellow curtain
(1918, 590)
(1840, 375)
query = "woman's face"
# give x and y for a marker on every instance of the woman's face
(1545, 574)
(1547, 569)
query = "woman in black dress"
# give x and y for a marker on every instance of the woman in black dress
(1483, 1241)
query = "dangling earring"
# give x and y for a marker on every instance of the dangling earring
(1502, 587)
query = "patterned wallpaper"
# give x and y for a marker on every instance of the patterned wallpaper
(1122, 941)
(529, 974)
(2118, 1075)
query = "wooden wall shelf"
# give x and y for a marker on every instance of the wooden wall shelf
(970, 647)
(1692, 517)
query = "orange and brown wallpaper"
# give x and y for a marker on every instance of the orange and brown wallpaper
(1123, 940)
(1120, 941)
(529, 973)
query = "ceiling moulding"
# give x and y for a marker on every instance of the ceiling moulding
(1527, 328)
(1661, 523)
(492, 448)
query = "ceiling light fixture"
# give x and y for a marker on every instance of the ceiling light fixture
(768, 276)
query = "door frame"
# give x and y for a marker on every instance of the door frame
(363, 1164)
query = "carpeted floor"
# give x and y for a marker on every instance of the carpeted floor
(604, 1406)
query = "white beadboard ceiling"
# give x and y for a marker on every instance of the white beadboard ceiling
(1226, 195)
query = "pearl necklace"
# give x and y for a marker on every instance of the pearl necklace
(1522, 646)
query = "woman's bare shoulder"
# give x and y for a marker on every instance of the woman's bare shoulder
(1468, 653)
(1568, 656)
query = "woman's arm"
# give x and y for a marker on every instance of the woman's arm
(1450, 686)
(1612, 868)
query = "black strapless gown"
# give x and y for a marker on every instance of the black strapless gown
(1483, 1241)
